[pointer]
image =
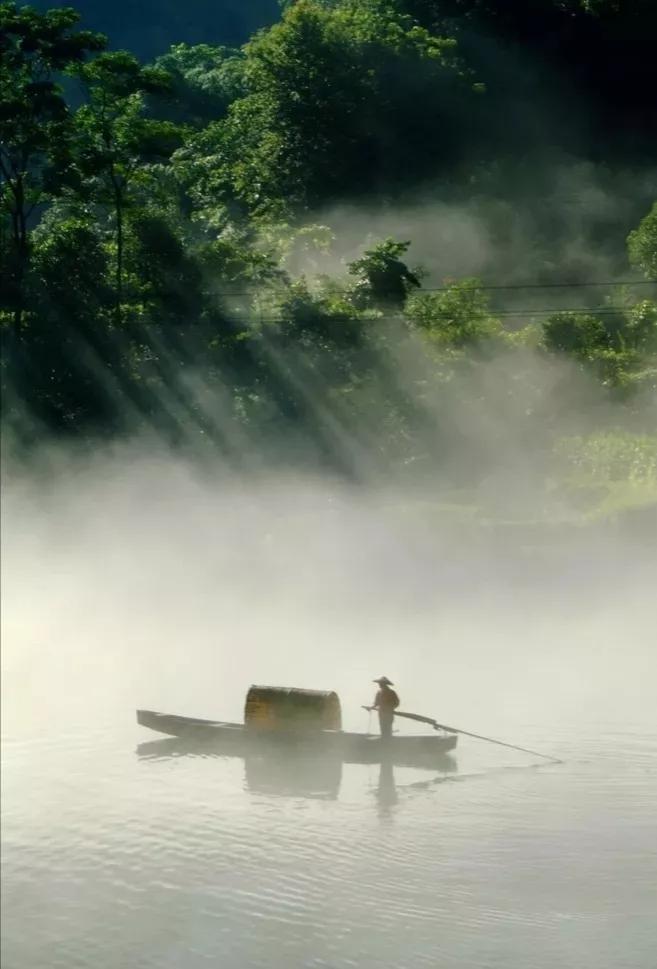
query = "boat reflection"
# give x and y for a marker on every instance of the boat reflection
(294, 773)
(294, 776)
(289, 773)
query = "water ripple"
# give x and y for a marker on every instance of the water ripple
(110, 861)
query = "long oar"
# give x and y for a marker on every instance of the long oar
(477, 736)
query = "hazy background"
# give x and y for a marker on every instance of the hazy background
(139, 579)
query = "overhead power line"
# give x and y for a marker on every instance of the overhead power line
(490, 287)
(595, 311)
(638, 282)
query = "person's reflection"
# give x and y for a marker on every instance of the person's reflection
(386, 792)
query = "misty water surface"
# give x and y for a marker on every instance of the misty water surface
(148, 586)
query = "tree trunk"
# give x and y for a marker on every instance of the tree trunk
(118, 208)
(21, 254)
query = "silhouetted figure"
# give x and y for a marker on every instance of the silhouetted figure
(385, 703)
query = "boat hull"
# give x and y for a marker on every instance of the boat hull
(237, 740)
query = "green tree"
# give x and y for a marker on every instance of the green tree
(163, 274)
(319, 320)
(457, 316)
(336, 99)
(204, 80)
(118, 143)
(67, 366)
(618, 347)
(381, 277)
(35, 126)
(581, 335)
(641, 326)
(642, 245)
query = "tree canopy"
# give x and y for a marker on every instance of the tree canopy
(171, 246)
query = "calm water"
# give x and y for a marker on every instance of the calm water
(117, 856)
(114, 858)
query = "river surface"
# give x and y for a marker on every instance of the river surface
(120, 852)
(115, 858)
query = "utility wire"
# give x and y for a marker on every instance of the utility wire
(485, 288)
(256, 318)
(598, 311)
(637, 282)
(595, 311)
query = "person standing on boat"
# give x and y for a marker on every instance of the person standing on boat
(385, 703)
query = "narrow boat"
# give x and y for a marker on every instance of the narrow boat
(307, 722)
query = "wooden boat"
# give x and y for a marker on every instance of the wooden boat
(242, 739)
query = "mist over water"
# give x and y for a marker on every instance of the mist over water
(137, 579)
(140, 567)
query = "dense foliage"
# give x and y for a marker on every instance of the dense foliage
(155, 218)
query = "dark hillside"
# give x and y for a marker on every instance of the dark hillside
(401, 237)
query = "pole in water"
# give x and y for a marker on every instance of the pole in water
(477, 736)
